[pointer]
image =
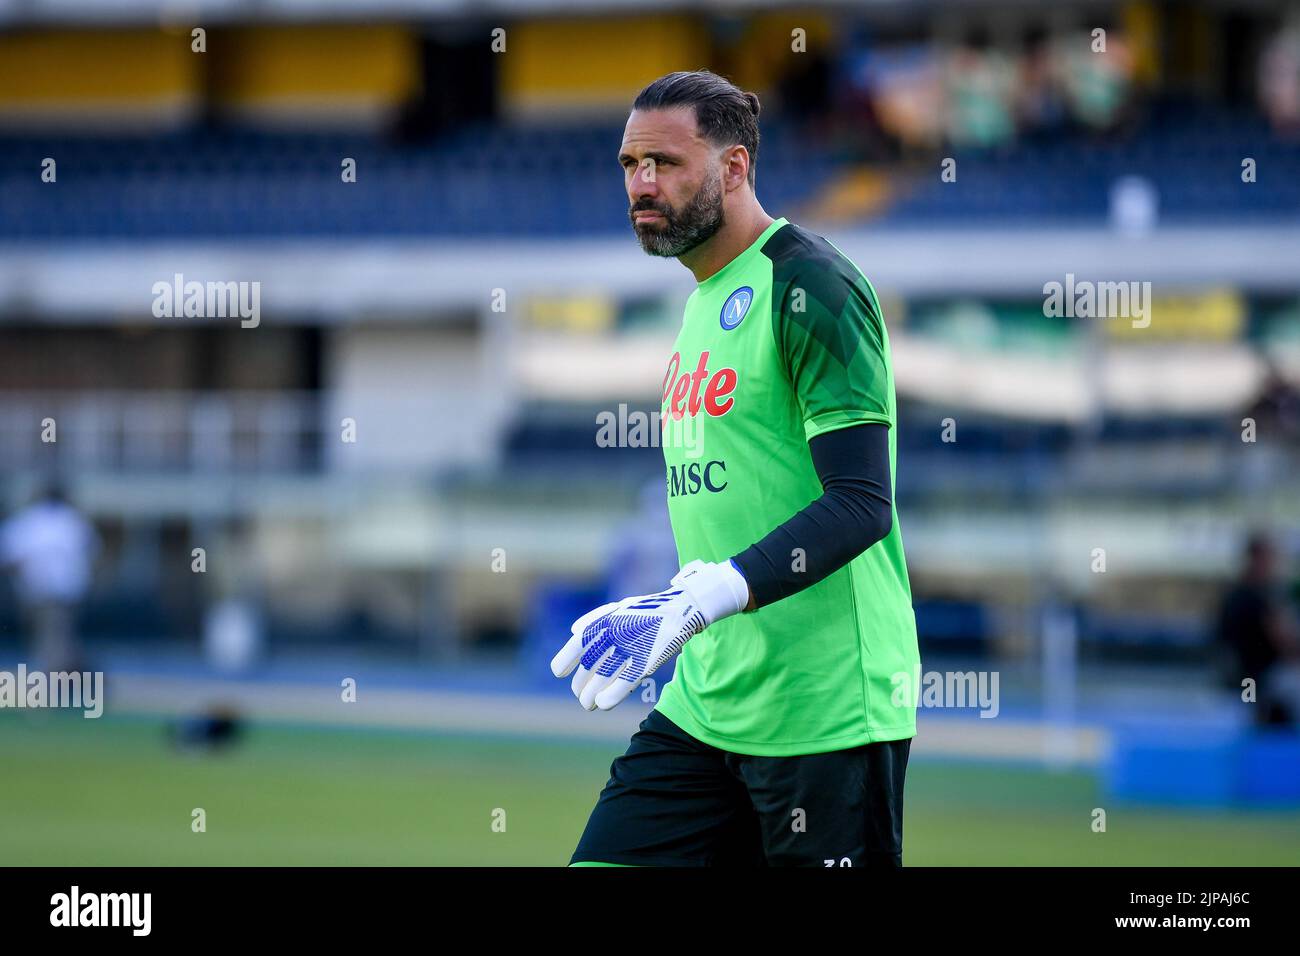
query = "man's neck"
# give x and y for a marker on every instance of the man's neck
(725, 244)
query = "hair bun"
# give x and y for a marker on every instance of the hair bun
(752, 100)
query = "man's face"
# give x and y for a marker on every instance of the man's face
(673, 179)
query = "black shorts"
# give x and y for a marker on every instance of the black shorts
(672, 800)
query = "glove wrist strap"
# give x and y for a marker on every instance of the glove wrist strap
(718, 589)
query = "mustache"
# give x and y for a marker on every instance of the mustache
(649, 207)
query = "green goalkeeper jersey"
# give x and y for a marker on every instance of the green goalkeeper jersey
(784, 343)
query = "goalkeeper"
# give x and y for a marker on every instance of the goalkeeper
(784, 735)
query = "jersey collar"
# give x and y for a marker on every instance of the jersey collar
(727, 273)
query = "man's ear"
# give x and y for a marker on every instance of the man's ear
(736, 171)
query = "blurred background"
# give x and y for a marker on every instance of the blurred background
(324, 552)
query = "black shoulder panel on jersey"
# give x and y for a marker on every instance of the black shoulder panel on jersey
(827, 324)
(823, 272)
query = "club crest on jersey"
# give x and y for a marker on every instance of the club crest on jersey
(734, 309)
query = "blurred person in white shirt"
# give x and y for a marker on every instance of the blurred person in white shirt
(50, 548)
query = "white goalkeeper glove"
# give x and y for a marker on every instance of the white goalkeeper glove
(618, 645)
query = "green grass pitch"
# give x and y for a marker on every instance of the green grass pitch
(112, 792)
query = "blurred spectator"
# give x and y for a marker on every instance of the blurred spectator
(1279, 79)
(1276, 413)
(1276, 410)
(233, 626)
(981, 85)
(1097, 85)
(806, 89)
(1040, 107)
(904, 87)
(51, 548)
(1257, 630)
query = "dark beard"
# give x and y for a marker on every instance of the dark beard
(699, 219)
